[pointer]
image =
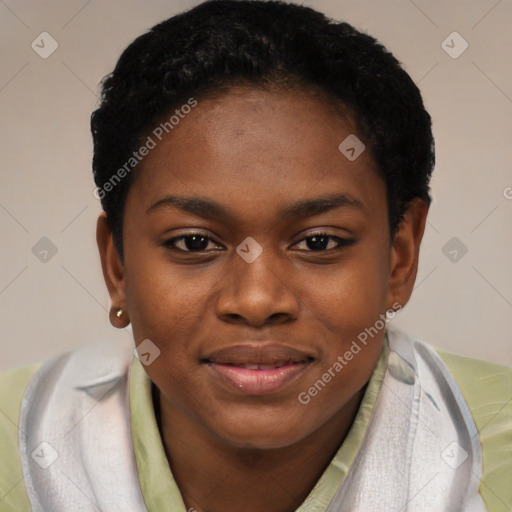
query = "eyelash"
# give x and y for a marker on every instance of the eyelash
(342, 242)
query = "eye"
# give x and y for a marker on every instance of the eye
(193, 242)
(198, 243)
(323, 242)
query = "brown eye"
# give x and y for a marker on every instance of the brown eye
(188, 243)
(320, 242)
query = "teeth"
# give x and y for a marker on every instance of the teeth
(268, 366)
(261, 366)
(251, 366)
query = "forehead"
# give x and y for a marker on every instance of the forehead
(251, 146)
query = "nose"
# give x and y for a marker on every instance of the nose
(257, 293)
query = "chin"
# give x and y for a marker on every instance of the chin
(258, 436)
(257, 442)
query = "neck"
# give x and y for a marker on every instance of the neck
(215, 476)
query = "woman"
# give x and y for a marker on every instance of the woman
(264, 175)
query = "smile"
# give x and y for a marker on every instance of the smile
(258, 370)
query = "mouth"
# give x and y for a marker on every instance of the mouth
(258, 370)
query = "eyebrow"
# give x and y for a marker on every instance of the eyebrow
(208, 208)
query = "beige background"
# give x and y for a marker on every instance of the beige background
(46, 182)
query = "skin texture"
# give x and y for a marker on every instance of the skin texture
(256, 151)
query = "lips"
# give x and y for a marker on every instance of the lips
(260, 366)
(261, 353)
(258, 369)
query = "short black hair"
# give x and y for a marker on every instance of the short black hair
(220, 43)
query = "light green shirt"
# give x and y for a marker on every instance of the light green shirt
(487, 388)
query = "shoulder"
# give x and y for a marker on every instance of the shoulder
(486, 386)
(90, 369)
(13, 383)
(487, 389)
(12, 387)
(475, 374)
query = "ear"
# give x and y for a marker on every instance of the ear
(405, 252)
(113, 271)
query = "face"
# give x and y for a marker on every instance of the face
(256, 253)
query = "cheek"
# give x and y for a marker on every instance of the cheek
(167, 309)
(164, 300)
(339, 381)
(349, 297)
(349, 316)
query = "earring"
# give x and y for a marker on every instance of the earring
(119, 317)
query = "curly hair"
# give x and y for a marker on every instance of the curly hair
(220, 43)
